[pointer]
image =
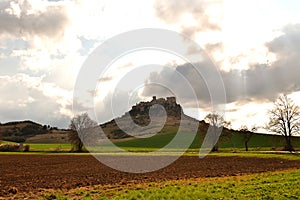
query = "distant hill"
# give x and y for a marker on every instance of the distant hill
(21, 131)
(137, 121)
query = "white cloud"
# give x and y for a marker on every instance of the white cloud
(32, 18)
(24, 97)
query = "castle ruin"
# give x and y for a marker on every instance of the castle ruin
(169, 104)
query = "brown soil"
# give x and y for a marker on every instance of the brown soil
(24, 173)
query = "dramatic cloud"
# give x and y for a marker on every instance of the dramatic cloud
(195, 11)
(44, 43)
(169, 78)
(260, 83)
(286, 69)
(23, 19)
(199, 20)
(287, 46)
(257, 84)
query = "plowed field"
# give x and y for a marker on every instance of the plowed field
(24, 173)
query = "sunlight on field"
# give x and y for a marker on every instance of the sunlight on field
(275, 185)
(50, 147)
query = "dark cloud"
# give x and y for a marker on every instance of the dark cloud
(288, 44)
(115, 105)
(259, 83)
(180, 82)
(50, 22)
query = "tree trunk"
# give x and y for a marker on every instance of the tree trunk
(215, 148)
(246, 145)
(79, 147)
(288, 145)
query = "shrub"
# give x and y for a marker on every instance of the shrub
(26, 148)
(13, 147)
(9, 147)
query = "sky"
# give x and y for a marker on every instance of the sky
(254, 44)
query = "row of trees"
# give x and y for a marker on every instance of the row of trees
(284, 119)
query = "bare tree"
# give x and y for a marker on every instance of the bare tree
(80, 126)
(285, 119)
(247, 134)
(216, 122)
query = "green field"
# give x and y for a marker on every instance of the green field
(272, 185)
(257, 142)
(50, 147)
(36, 147)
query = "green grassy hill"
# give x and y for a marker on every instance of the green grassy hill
(235, 140)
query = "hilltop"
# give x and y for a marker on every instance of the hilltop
(29, 131)
(166, 115)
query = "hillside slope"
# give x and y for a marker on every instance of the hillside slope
(21, 131)
(148, 118)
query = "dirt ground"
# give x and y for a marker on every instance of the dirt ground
(24, 173)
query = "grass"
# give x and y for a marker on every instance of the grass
(271, 185)
(64, 149)
(287, 156)
(44, 147)
(155, 142)
(50, 147)
(257, 142)
(267, 186)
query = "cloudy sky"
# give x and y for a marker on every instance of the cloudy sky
(43, 44)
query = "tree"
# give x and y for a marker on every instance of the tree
(247, 134)
(80, 126)
(285, 119)
(216, 122)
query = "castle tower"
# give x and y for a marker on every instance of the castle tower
(171, 100)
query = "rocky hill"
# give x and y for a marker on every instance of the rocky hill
(148, 118)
